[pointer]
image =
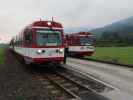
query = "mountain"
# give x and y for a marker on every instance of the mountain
(76, 29)
(122, 27)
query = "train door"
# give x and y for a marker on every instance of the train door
(28, 44)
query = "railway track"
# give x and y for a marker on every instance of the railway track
(55, 91)
(62, 85)
(88, 82)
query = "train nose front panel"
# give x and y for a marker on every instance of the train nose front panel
(46, 52)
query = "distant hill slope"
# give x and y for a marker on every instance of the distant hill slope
(122, 27)
(76, 29)
(3, 45)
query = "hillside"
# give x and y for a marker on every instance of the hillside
(122, 27)
(76, 29)
(116, 34)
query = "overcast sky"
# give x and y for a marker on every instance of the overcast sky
(15, 14)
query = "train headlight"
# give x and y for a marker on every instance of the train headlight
(39, 51)
(61, 50)
(49, 23)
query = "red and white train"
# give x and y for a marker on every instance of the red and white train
(40, 42)
(80, 44)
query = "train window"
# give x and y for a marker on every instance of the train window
(28, 37)
(48, 38)
(86, 40)
(19, 40)
(16, 41)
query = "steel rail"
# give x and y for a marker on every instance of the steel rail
(81, 87)
(75, 97)
(70, 95)
(79, 84)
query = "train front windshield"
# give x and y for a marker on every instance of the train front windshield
(48, 38)
(86, 40)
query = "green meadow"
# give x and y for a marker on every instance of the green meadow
(2, 56)
(123, 55)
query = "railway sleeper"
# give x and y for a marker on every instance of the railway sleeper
(56, 78)
(67, 84)
(83, 92)
(50, 87)
(74, 89)
(55, 91)
(61, 81)
(73, 96)
(46, 83)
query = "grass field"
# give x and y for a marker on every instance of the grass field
(123, 55)
(2, 56)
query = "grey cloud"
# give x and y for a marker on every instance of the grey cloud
(15, 14)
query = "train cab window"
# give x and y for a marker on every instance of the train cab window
(48, 38)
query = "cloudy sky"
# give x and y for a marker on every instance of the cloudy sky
(15, 14)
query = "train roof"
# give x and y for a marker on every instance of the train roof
(40, 24)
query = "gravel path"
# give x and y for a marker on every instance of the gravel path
(17, 83)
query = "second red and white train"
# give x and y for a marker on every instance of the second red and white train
(80, 44)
